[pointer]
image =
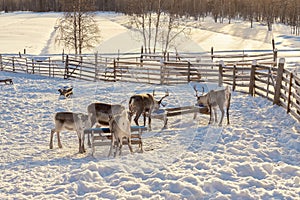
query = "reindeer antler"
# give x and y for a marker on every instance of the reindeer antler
(167, 94)
(196, 91)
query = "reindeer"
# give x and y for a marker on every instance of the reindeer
(214, 98)
(144, 103)
(119, 126)
(66, 91)
(71, 122)
(100, 112)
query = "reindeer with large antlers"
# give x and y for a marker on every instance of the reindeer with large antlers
(214, 98)
(144, 104)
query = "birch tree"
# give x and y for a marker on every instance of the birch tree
(77, 29)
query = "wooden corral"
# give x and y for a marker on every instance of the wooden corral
(161, 68)
(264, 78)
(279, 85)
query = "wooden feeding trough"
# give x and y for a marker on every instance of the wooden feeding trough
(164, 114)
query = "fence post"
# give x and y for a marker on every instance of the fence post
(275, 53)
(234, 78)
(26, 63)
(32, 64)
(66, 67)
(96, 66)
(63, 56)
(142, 56)
(1, 63)
(290, 93)
(212, 53)
(279, 81)
(221, 66)
(273, 44)
(252, 78)
(162, 72)
(13, 63)
(297, 83)
(115, 70)
(49, 67)
(189, 72)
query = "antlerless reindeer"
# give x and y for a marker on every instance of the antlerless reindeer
(100, 112)
(71, 122)
(119, 126)
(214, 99)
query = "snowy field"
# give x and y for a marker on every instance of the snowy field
(256, 157)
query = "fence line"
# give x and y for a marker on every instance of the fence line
(279, 85)
(264, 77)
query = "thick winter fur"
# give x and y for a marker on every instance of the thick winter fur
(144, 104)
(214, 99)
(100, 112)
(70, 122)
(119, 126)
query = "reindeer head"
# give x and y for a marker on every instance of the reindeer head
(159, 102)
(201, 99)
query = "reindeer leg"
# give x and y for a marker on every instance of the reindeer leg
(89, 140)
(120, 146)
(227, 112)
(195, 115)
(137, 116)
(111, 147)
(80, 143)
(51, 139)
(58, 140)
(210, 114)
(228, 106)
(117, 147)
(222, 110)
(144, 115)
(216, 115)
(149, 121)
(129, 145)
(82, 139)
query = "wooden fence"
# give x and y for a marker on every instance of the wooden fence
(262, 77)
(279, 85)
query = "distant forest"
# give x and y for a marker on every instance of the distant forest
(266, 11)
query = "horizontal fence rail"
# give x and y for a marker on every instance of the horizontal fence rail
(265, 77)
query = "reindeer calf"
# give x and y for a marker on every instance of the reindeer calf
(216, 98)
(119, 126)
(71, 122)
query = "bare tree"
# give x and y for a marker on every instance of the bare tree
(78, 29)
(158, 23)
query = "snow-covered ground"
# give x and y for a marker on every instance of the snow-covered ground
(256, 157)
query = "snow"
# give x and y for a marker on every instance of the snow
(256, 157)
